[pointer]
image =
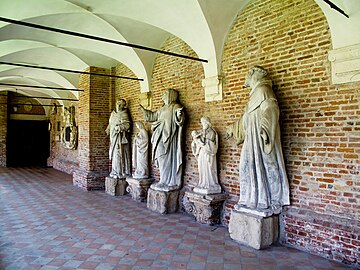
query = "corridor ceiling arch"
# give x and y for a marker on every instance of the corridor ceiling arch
(202, 24)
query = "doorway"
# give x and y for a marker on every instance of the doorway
(28, 143)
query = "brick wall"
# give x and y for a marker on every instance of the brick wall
(3, 129)
(329, 236)
(94, 112)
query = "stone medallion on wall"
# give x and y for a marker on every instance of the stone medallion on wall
(69, 133)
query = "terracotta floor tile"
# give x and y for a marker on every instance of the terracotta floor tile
(47, 223)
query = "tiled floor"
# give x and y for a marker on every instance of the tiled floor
(46, 223)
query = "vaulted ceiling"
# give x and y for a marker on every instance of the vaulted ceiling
(202, 24)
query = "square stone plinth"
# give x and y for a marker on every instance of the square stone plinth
(205, 208)
(138, 188)
(255, 231)
(164, 202)
(115, 187)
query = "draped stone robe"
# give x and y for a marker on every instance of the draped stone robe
(263, 179)
(119, 151)
(140, 154)
(204, 147)
(167, 145)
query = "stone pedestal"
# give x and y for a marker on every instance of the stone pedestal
(164, 202)
(205, 208)
(253, 230)
(138, 188)
(211, 190)
(115, 187)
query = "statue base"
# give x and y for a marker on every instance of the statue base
(164, 202)
(205, 208)
(211, 190)
(253, 230)
(138, 188)
(115, 187)
(258, 212)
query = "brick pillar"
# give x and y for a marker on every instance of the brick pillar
(93, 144)
(3, 129)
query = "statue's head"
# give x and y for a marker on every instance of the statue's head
(205, 121)
(254, 75)
(170, 96)
(120, 104)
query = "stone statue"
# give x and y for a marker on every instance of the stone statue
(263, 181)
(69, 133)
(166, 140)
(119, 131)
(140, 152)
(204, 148)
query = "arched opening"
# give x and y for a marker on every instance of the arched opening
(28, 137)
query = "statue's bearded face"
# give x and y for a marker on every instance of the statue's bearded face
(120, 104)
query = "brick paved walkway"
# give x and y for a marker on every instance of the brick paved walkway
(46, 223)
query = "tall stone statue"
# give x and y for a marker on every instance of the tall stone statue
(140, 152)
(204, 148)
(167, 126)
(119, 131)
(263, 181)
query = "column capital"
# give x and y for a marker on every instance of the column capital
(213, 88)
